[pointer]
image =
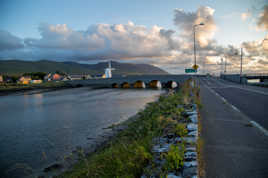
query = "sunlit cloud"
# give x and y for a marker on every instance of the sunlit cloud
(263, 18)
(245, 15)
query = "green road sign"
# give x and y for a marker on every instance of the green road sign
(190, 71)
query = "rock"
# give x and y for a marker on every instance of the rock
(190, 172)
(188, 164)
(161, 149)
(194, 118)
(191, 112)
(193, 133)
(192, 127)
(190, 156)
(190, 149)
(53, 167)
(172, 175)
(190, 139)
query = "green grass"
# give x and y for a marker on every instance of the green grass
(174, 157)
(128, 153)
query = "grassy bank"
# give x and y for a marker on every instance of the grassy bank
(129, 152)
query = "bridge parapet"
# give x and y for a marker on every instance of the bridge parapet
(116, 82)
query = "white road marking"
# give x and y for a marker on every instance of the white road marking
(260, 127)
(255, 124)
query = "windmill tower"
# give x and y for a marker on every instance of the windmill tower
(108, 71)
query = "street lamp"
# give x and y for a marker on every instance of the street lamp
(194, 41)
(241, 64)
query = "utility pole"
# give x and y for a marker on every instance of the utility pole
(241, 65)
(225, 66)
(194, 48)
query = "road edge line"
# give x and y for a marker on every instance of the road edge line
(259, 127)
(255, 124)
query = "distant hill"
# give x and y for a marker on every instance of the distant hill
(19, 67)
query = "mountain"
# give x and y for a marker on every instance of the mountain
(19, 67)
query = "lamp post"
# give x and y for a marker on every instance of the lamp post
(241, 64)
(194, 41)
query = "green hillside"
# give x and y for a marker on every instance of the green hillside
(17, 67)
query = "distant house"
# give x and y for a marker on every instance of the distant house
(1, 79)
(75, 77)
(25, 80)
(48, 77)
(53, 77)
(79, 77)
(36, 81)
(56, 77)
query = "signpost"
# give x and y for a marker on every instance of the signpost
(190, 71)
(195, 67)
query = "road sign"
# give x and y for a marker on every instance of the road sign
(195, 67)
(190, 71)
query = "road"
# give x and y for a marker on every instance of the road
(232, 146)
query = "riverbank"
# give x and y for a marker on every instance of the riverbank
(10, 88)
(128, 153)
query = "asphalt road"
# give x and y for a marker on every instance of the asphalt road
(252, 101)
(232, 147)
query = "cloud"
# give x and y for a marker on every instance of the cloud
(245, 15)
(186, 20)
(107, 41)
(263, 62)
(263, 18)
(9, 41)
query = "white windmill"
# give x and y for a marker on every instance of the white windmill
(108, 71)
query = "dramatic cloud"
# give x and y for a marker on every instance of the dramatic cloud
(263, 18)
(107, 41)
(9, 41)
(186, 20)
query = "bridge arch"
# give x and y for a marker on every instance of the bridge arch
(125, 85)
(115, 85)
(139, 84)
(171, 84)
(155, 84)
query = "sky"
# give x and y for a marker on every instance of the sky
(157, 32)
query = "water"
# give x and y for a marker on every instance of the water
(37, 130)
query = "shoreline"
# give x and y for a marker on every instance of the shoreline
(101, 142)
(129, 149)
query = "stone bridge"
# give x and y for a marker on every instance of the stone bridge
(135, 81)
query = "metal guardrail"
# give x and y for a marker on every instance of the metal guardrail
(256, 74)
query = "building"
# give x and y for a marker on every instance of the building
(36, 81)
(25, 80)
(56, 77)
